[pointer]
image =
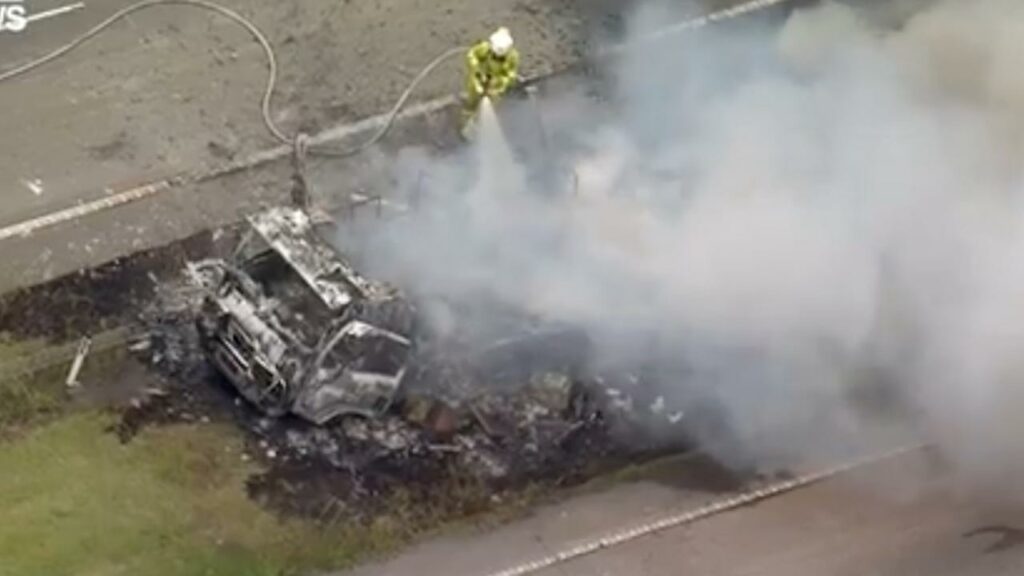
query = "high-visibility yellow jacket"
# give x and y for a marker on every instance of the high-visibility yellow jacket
(489, 74)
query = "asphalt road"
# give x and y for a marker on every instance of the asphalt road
(174, 88)
(901, 517)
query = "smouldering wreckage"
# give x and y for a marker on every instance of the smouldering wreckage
(298, 331)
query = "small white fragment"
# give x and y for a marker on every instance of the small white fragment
(35, 185)
(142, 344)
(658, 406)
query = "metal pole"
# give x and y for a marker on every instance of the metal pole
(76, 365)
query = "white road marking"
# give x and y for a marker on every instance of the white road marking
(691, 516)
(27, 227)
(696, 24)
(55, 12)
(35, 185)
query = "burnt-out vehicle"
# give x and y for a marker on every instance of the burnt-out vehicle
(296, 329)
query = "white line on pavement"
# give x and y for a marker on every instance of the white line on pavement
(27, 227)
(691, 516)
(55, 12)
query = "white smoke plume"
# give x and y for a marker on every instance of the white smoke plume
(777, 218)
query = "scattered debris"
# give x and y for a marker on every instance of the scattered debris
(153, 406)
(496, 399)
(35, 186)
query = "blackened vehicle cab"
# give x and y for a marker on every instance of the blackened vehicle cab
(296, 329)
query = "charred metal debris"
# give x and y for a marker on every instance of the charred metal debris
(335, 373)
(296, 329)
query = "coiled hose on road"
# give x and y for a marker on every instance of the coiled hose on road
(268, 50)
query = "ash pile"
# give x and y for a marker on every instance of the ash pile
(348, 394)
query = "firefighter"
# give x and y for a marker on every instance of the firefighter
(492, 67)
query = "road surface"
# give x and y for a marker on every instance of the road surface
(174, 90)
(177, 87)
(901, 517)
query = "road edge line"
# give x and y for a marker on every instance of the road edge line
(715, 508)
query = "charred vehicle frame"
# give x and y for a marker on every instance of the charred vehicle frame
(296, 329)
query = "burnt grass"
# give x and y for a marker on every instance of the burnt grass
(325, 474)
(329, 475)
(114, 294)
